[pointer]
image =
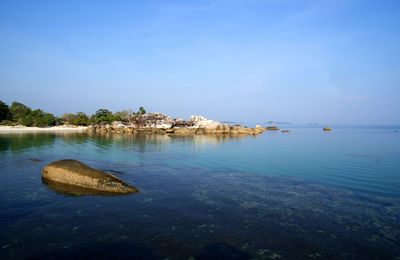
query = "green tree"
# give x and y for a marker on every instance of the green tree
(81, 119)
(19, 111)
(5, 113)
(25, 116)
(68, 118)
(103, 115)
(26, 120)
(38, 118)
(92, 119)
(50, 119)
(125, 115)
(142, 111)
(116, 117)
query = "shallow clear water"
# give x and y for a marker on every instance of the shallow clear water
(304, 194)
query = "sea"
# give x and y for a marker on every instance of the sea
(306, 194)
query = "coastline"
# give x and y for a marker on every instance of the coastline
(16, 129)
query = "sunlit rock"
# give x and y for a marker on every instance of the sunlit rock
(157, 123)
(75, 173)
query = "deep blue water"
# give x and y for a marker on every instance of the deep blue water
(302, 195)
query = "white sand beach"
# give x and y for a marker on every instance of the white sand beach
(13, 129)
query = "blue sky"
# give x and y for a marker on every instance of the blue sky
(231, 60)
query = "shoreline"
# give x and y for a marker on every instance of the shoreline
(31, 129)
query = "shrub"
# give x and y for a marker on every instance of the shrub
(7, 122)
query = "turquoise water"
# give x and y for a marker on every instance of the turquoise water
(301, 195)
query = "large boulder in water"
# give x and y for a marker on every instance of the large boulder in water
(75, 173)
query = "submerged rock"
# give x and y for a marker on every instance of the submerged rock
(286, 131)
(74, 173)
(77, 191)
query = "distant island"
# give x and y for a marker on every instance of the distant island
(126, 121)
(277, 123)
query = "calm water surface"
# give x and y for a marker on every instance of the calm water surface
(300, 195)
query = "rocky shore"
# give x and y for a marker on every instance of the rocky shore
(157, 123)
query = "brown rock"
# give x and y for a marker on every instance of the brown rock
(128, 130)
(245, 130)
(273, 128)
(327, 128)
(226, 128)
(179, 122)
(201, 131)
(75, 173)
(183, 131)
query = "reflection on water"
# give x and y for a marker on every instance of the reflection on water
(19, 142)
(141, 141)
(195, 201)
(22, 141)
(75, 190)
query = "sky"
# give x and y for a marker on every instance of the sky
(300, 61)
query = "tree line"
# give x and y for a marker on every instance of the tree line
(20, 114)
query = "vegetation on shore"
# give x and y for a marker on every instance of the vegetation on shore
(20, 114)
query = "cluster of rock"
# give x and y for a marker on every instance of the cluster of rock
(162, 124)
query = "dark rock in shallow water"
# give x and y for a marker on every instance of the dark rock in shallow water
(35, 160)
(75, 191)
(272, 128)
(74, 173)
